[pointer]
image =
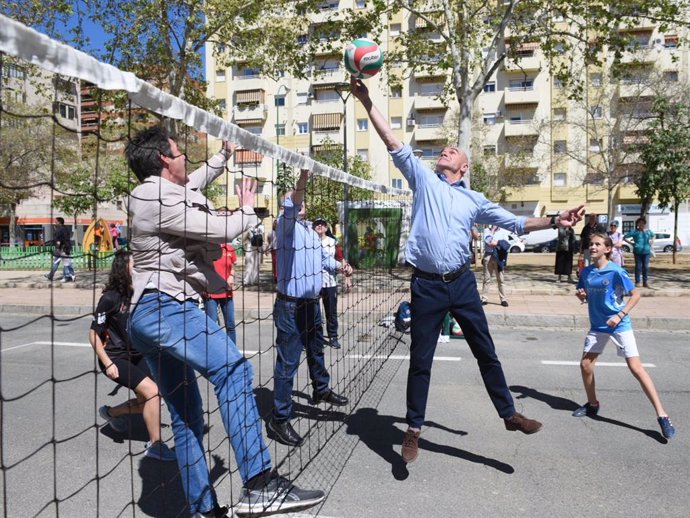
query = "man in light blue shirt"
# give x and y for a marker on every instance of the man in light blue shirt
(443, 212)
(297, 312)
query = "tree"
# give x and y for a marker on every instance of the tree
(324, 194)
(666, 156)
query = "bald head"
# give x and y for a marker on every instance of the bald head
(453, 163)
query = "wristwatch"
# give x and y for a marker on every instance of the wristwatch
(553, 222)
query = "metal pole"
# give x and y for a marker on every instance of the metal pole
(346, 188)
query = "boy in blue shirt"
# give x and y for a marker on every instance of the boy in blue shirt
(603, 285)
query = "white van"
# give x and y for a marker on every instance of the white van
(538, 237)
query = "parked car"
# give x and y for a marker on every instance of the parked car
(663, 242)
(550, 246)
(517, 245)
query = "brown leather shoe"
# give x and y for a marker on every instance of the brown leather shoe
(410, 449)
(520, 423)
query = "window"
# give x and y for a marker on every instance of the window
(222, 105)
(394, 31)
(671, 76)
(302, 128)
(490, 86)
(302, 97)
(597, 112)
(430, 120)
(557, 83)
(279, 100)
(671, 41)
(430, 89)
(67, 111)
(280, 130)
(517, 85)
(14, 71)
(560, 179)
(361, 4)
(220, 74)
(560, 147)
(559, 114)
(396, 122)
(595, 79)
(595, 145)
(363, 154)
(254, 130)
(362, 124)
(396, 92)
(396, 183)
(489, 119)
(489, 150)
(327, 96)
(302, 39)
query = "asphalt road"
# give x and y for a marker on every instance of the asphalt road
(58, 461)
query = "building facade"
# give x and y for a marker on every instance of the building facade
(568, 151)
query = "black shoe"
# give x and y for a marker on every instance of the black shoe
(277, 495)
(47, 276)
(484, 302)
(504, 303)
(330, 397)
(333, 342)
(284, 433)
(216, 512)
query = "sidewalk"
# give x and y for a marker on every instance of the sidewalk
(536, 300)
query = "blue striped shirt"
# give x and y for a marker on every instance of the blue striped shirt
(443, 215)
(300, 256)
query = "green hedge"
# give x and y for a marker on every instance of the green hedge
(41, 258)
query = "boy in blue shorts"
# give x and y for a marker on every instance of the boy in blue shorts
(602, 285)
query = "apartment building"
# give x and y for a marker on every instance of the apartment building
(570, 152)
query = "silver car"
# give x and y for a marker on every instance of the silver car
(663, 242)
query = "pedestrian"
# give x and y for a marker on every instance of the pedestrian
(441, 279)
(62, 252)
(253, 254)
(175, 237)
(225, 267)
(272, 250)
(329, 284)
(565, 248)
(474, 237)
(495, 256)
(122, 364)
(297, 312)
(593, 226)
(602, 285)
(642, 240)
(617, 240)
(115, 236)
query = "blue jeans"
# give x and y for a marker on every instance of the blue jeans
(227, 305)
(54, 267)
(329, 297)
(298, 327)
(641, 267)
(431, 301)
(176, 339)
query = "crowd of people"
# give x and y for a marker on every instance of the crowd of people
(153, 329)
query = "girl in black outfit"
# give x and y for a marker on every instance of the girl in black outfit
(123, 364)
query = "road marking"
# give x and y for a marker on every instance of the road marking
(399, 357)
(598, 364)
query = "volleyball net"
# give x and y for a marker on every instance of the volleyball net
(65, 119)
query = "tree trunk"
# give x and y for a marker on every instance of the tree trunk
(13, 224)
(465, 131)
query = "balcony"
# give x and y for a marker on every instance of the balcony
(250, 112)
(428, 102)
(526, 63)
(325, 76)
(329, 135)
(426, 132)
(520, 128)
(521, 95)
(634, 55)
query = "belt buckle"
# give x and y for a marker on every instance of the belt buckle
(446, 277)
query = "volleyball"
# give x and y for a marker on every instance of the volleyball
(363, 58)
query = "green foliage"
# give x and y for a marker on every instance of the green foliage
(325, 194)
(666, 154)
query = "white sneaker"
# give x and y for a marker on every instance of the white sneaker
(119, 424)
(159, 450)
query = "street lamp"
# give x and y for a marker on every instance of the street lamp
(281, 93)
(339, 89)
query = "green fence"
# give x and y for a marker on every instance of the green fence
(41, 258)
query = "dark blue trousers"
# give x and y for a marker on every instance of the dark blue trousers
(431, 300)
(329, 297)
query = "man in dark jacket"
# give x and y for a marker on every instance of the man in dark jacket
(592, 227)
(62, 252)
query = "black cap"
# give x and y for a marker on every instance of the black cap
(319, 221)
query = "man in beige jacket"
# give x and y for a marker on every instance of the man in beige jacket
(176, 236)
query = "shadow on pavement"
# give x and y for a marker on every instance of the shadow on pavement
(555, 402)
(379, 433)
